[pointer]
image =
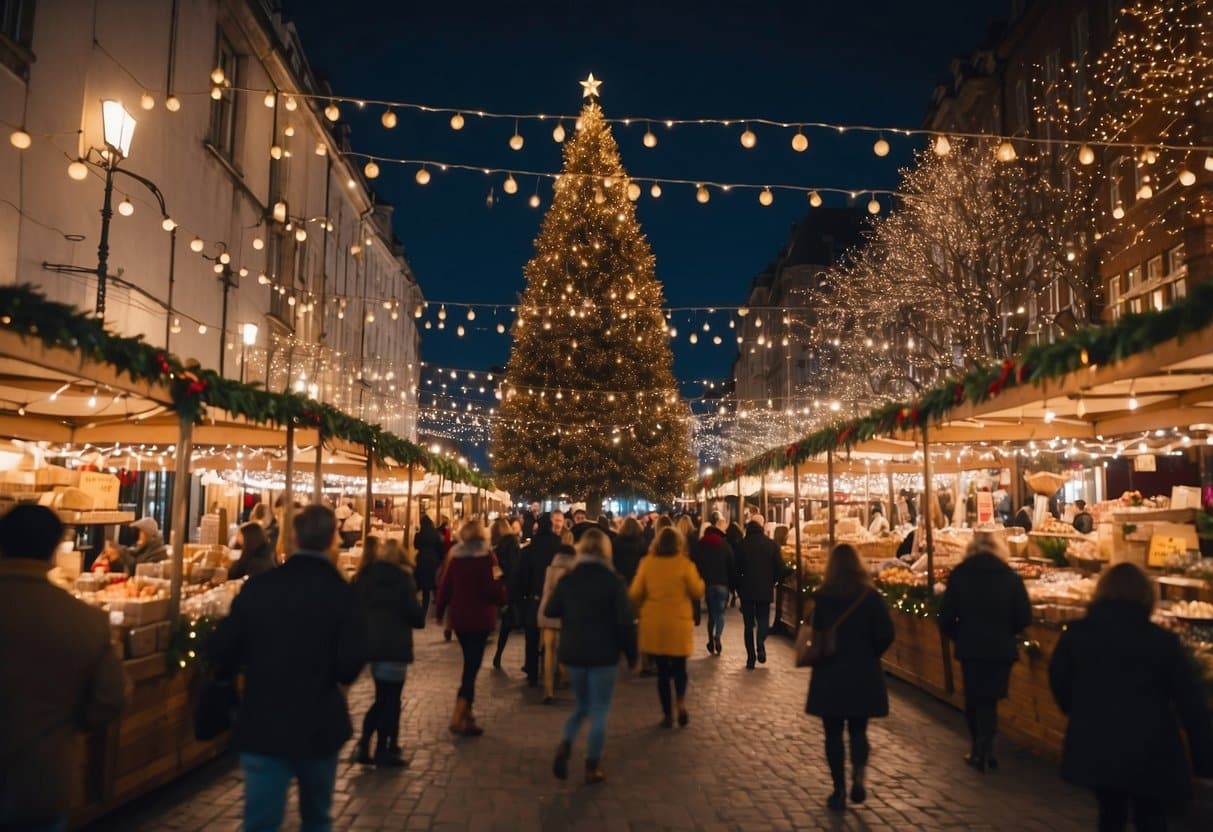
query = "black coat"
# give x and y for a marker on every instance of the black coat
(759, 566)
(428, 545)
(1127, 686)
(533, 564)
(388, 600)
(581, 528)
(984, 608)
(528, 522)
(509, 553)
(851, 682)
(297, 634)
(714, 558)
(252, 563)
(597, 622)
(628, 550)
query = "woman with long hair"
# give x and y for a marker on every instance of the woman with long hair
(256, 553)
(472, 590)
(427, 544)
(504, 540)
(848, 688)
(1128, 687)
(629, 548)
(388, 599)
(666, 583)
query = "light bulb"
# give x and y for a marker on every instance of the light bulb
(748, 139)
(1149, 156)
(289, 131)
(167, 224)
(1049, 416)
(77, 170)
(558, 133)
(815, 199)
(800, 142)
(196, 245)
(457, 121)
(1209, 162)
(1145, 191)
(1005, 152)
(1186, 177)
(655, 191)
(20, 139)
(422, 177)
(258, 243)
(500, 328)
(172, 103)
(275, 152)
(388, 119)
(873, 206)
(1118, 212)
(459, 330)
(881, 148)
(291, 103)
(322, 149)
(217, 75)
(471, 314)
(1132, 402)
(650, 138)
(263, 279)
(125, 207)
(694, 339)
(270, 100)
(633, 191)
(510, 186)
(371, 170)
(702, 195)
(300, 234)
(147, 101)
(516, 142)
(942, 146)
(765, 197)
(533, 201)
(216, 93)
(202, 329)
(1086, 155)
(332, 112)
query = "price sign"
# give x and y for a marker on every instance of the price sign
(1163, 546)
(985, 507)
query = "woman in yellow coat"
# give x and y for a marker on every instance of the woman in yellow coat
(666, 583)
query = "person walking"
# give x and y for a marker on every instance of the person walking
(472, 590)
(759, 568)
(60, 674)
(299, 638)
(848, 688)
(387, 596)
(665, 584)
(550, 626)
(532, 570)
(504, 541)
(256, 555)
(597, 626)
(714, 558)
(984, 608)
(628, 548)
(1128, 687)
(427, 544)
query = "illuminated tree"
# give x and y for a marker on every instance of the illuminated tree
(590, 408)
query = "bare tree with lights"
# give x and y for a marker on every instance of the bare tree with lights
(590, 407)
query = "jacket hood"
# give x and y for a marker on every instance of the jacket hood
(712, 536)
(474, 548)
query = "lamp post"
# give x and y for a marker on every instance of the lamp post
(118, 128)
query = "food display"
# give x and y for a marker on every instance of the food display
(1192, 610)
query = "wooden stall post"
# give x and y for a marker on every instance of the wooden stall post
(370, 495)
(739, 523)
(762, 495)
(185, 451)
(830, 496)
(318, 472)
(928, 494)
(286, 529)
(893, 502)
(796, 530)
(408, 514)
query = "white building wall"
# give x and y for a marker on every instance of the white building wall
(46, 217)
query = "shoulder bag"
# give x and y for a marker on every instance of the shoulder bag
(815, 646)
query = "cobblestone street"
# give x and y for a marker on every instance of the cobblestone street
(749, 760)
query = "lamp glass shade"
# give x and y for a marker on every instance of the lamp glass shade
(249, 334)
(118, 127)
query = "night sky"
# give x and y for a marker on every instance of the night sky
(874, 62)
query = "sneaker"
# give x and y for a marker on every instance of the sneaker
(593, 773)
(560, 765)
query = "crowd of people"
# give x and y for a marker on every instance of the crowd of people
(587, 594)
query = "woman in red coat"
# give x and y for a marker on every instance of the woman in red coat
(471, 590)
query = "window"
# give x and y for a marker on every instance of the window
(1080, 35)
(1154, 270)
(1021, 104)
(1177, 272)
(17, 36)
(1132, 278)
(223, 111)
(1114, 296)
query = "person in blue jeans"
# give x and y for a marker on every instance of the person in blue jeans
(597, 626)
(298, 635)
(714, 558)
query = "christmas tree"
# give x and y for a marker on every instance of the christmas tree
(589, 405)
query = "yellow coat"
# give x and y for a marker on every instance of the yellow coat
(662, 592)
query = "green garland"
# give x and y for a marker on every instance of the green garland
(187, 648)
(1099, 345)
(193, 388)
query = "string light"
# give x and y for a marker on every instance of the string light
(800, 142)
(388, 119)
(172, 103)
(881, 147)
(457, 121)
(20, 139)
(558, 133)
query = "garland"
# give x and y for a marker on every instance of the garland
(187, 648)
(1100, 345)
(193, 388)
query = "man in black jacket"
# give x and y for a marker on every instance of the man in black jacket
(297, 635)
(714, 557)
(532, 569)
(759, 567)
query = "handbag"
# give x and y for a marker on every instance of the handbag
(217, 702)
(815, 646)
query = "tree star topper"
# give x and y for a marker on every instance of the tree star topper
(589, 87)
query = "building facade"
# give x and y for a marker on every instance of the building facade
(270, 260)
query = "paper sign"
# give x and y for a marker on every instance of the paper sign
(1164, 546)
(985, 507)
(103, 488)
(1145, 462)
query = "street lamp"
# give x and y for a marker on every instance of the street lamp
(248, 335)
(118, 128)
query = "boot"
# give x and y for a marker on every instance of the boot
(560, 765)
(683, 717)
(593, 773)
(470, 728)
(386, 756)
(362, 751)
(459, 718)
(859, 791)
(837, 801)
